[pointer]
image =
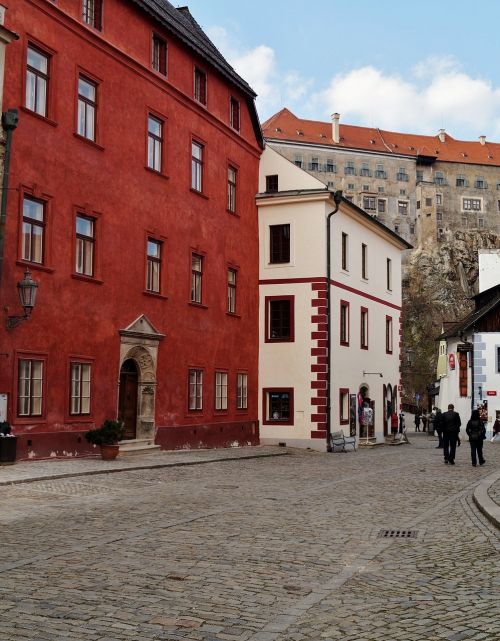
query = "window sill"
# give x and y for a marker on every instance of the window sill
(198, 193)
(388, 353)
(146, 292)
(268, 422)
(233, 213)
(88, 279)
(344, 421)
(36, 266)
(365, 347)
(221, 412)
(160, 174)
(344, 344)
(233, 315)
(279, 340)
(241, 411)
(81, 418)
(90, 142)
(29, 420)
(199, 305)
(49, 121)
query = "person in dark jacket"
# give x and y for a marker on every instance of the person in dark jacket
(438, 426)
(417, 422)
(451, 428)
(477, 433)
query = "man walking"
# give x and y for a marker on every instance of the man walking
(450, 423)
(438, 426)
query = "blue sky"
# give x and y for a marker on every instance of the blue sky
(406, 66)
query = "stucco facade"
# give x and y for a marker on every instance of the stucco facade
(133, 310)
(293, 368)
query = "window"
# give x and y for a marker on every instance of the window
(349, 168)
(461, 181)
(159, 55)
(480, 223)
(364, 328)
(440, 232)
(80, 389)
(471, 204)
(196, 278)
(420, 175)
(402, 175)
(87, 108)
(234, 114)
(279, 244)
(242, 391)
(379, 172)
(314, 164)
(231, 189)
(439, 215)
(365, 169)
(412, 229)
(195, 389)
(37, 80)
(231, 291)
(221, 390)
(344, 322)
(279, 319)
(428, 202)
(418, 204)
(364, 261)
(33, 234)
(272, 183)
(439, 199)
(439, 178)
(389, 274)
(381, 205)
(388, 335)
(155, 143)
(402, 192)
(498, 205)
(153, 267)
(92, 13)
(402, 207)
(480, 183)
(396, 229)
(369, 203)
(344, 406)
(197, 166)
(278, 404)
(200, 86)
(85, 242)
(299, 161)
(345, 248)
(330, 166)
(30, 388)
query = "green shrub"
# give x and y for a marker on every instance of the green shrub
(109, 433)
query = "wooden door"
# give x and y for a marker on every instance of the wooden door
(127, 410)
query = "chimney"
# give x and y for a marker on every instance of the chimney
(442, 135)
(482, 140)
(336, 127)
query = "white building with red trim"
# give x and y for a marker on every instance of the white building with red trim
(365, 319)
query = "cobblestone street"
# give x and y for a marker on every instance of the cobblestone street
(272, 549)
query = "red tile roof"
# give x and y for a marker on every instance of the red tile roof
(286, 126)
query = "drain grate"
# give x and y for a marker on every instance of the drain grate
(398, 534)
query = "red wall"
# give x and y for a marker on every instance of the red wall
(78, 317)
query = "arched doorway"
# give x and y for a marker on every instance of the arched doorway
(127, 403)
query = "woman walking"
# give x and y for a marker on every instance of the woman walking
(477, 433)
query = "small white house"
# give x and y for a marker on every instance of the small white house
(307, 391)
(469, 352)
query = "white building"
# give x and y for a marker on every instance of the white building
(295, 372)
(469, 352)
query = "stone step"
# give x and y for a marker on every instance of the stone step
(138, 446)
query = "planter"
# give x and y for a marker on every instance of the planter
(8, 448)
(109, 452)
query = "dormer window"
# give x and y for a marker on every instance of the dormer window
(92, 13)
(159, 55)
(234, 114)
(200, 86)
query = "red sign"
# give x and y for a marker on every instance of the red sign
(451, 361)
(491, 392)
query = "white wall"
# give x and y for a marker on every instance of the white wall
(489, 268)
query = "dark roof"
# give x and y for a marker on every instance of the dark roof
(181, 23)
(470, 320)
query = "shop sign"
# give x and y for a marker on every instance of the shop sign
(491, 392)
(451, 361)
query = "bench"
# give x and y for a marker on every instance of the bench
(338, 440)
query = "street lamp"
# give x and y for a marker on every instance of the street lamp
(27, 296)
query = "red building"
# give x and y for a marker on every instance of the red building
(131, 201)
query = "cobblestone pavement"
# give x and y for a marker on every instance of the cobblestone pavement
(271, 549)
(494, 492)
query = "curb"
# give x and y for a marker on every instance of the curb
(485, 504)
(154, 466)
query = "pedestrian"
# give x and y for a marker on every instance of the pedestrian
(496, 429)
(477, 433)
(438, 427)
(424, 422)
(401, 422)
(417, 422)
(451, 428)
(394, 425)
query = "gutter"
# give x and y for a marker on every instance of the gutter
(337, 197)
(10, 120)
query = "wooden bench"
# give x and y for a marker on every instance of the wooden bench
(338, 440)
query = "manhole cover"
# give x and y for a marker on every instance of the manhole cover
(398, 534)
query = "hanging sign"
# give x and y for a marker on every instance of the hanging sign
(451, 361)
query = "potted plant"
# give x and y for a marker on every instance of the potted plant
(107, 437)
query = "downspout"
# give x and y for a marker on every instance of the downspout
(9, 122)
(337, 197)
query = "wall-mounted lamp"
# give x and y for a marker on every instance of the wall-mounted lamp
(27, 297)
(374, 374)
